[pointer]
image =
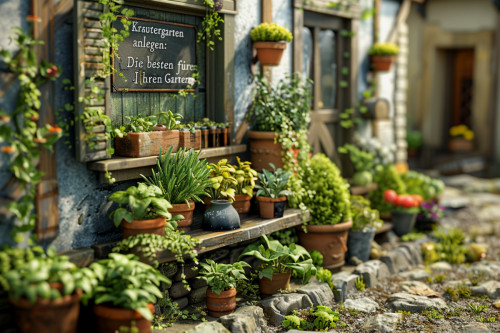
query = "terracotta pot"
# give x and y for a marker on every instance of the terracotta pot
(270, 208)
(381, 63)
(147, 143)
(184, 210)
(269, 53)
(109, 319)
(190, 140)
(263, 150)
(221, 305)
(242, 203)
(48, 316)
(136, 227)
(330, 240)
(457, 145)
(279, 281)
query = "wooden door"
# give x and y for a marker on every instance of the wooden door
(462, 87)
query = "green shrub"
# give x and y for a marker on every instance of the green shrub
(270, 32)
(386, 178)
(427, 187)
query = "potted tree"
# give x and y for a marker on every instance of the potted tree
(127, 291)
(330, 209)
(246, 177)
(382, 55)
(364, 222)
(146, 212)
(221, 280)
(45, 291)
(182, 179)
(272, 192)
(278, 262)
(269, 39)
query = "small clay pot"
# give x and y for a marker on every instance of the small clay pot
(242, 203)
(280, 281)
(136, 227)
(109, 319)
(221, 305)
(270, 208)
(184, 210)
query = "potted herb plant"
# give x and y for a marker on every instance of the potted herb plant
(127, 291)
(404, 211)
(364, 223)
(278, 262)
(182, 179)
(45, 291)
(272, 192)
(138, 137)
(221, 280)
(382, 55)
(147, 210)
(246, 177)
(279, 120)
(330, 210)
(362, 162)
(270, 41)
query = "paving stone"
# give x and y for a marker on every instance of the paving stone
(181, 302)
(197, 295)
(178, 290)
(396, 262)
(364, 304)
(475, 328)
(344, 283)
(407, 254)
(417, 288)
(490, 268)
(209, 326)
(440, 267)
(372, 271)
(384, 323)
(490, 288)
(414, 303)
(416, 275)
(414, 250)
(169, 270)
(496, 303)
(278, 306)
(489, 213)
(190, 270)
(246, 319)
(481, 229)
(319, 293)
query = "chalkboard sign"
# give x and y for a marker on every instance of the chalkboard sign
(157, 56)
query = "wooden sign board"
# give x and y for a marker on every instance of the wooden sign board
(156, 56)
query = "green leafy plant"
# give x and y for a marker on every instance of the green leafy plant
(169, 312)
(285, 236)
(362, 162)
(245, 176)
(362, 215)
(476, 276)
(143, 201)
(210, 30)
(181, 177)
(325, 275)
(477, 308)
(222, 277)
(414, 139)
(383, 154)
(450, 244)
(270, 32)
(21, 137)
(135, 124)
(223, 184)
(125, 282)
(320, 318)
(277, 258)
(330, 202)
(427, 187)
(273, 183)
(168, 119)
(38, 277)
(459, 290)
(383, 49)
(386, 178)
(360, 285)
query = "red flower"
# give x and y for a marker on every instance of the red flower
(52, 71)
(55, 129)
(5, 119)
(40, 140)
(7, 149)
(33, 18)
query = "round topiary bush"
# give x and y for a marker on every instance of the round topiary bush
(330, 203)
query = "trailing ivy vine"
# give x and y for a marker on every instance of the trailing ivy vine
(210, 29)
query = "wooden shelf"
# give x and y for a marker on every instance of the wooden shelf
(126, 168)
(251, 228)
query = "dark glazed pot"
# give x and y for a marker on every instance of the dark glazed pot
(403, 223)
(221, 215)
(359, 244)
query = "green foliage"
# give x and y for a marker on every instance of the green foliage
(277, 258)
(31, 279)
(169, 313)
(168, 119)
(477, 308)
(286, 236)
(273, 183)
(433, 314)
(360, 285)
(222, 181)
(249, 288)
(330, 202)
(222, 277)
(476, 276)
(325, 275)
(210, 30)
(317, 258)
(362, 215)
(270, 32)
(427, 187)
(148, 245)
(459, 290)
(320, 318)
(143, 202)
(383, 49)
(450, 244)
(386, 178)
(383, 154)
(181, 177)
(125, 282)
(362, 160)
(245, 176)
(414, 139)
(412, 236)
(21, 138)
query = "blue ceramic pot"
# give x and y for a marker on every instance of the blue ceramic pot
(221, 215)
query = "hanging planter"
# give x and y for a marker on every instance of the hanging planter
(269, 39)
(381, 63)
(382, 55)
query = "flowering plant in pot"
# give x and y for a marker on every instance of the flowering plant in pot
(427, 187)
(429, 214)
(272, 192)
(386, 178)
(146, 210)
(45, 290)
(127, 291)
(382, 55)
(330, 210)
(278, 261)
(270, 41)
(221, 280)
(246, 177)
(461, 138)
(404, 210)
(182, 179)
(364, 222)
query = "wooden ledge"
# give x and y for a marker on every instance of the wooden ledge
(126, 168)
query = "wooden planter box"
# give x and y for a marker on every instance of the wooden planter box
(147, 143)
(190, 140)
